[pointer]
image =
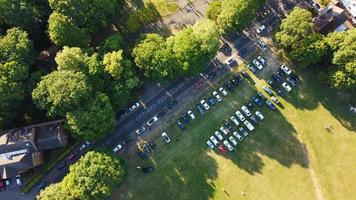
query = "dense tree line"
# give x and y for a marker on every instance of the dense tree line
(185, 53)
(307, 48)
(91, 178)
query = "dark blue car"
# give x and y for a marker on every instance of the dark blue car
(257, 101)
(276, 78)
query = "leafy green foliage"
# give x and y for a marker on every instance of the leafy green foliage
(62, 31)
(92, 120)
(61, 91)
(72, 59)
(92, 177)
(236, 15)
(214, 10)
(141, 17)
(114, 42)
(295, 27)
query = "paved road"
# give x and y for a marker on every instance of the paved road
(126, 125)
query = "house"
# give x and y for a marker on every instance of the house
(22, 149)
(329, 19)
(350, 6)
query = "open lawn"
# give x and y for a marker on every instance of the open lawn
(164, 7)
(288, 156)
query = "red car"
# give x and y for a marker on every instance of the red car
(222, 149)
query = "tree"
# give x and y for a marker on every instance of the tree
(16, 46)
(72, 59)
(115, 64)
(63, 31)
(209, 34)
(295, 27)
(214, 10)
(61, 91)
(114, 42)
(54, 192)
(92, 120)
(93, 176)
(18, 13)
(237, 14)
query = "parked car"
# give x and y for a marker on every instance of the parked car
(242, 51)
(261, 96)
(275, 99)
(61, 165)
(217, 96)
(72, 156)
(246, 111)
(117, 148)
(286, 87)
(165, 137)
(257, 101)
(229, 86)
(84, 145)
(261, 60)
(259, 115)
(200, 109)
(249, 126)
(222, 149)
(243, 132)
(218, 135)
(291, 81)
(152, 121)
(141, 130)
(172, 103)
(257, 64)
(224, 130)
(271, 105)
(233, 119)
(294, 76)
(134, 106)
(267, 90)
(239, 78)
(223, 91)
(251, 68)
(205, 105)
(228, 125)
(281, 72)
(228, 145)
(233, 82)
(240, 116)
(18, 180)
(286, 69)
(191, 114)
(260, 29)
(211, 101)
(280, 92)
(211, 75)
(245, 74)
(210, 144)
(238, 136)
(214, 140)
(186, 118)
(40, 185)
(250, 105)
(162, 112)
(180, 124)
(253, 119)
(272, 83)
(233, 141)
(231, 62)
(262, 44)
(147, 170)
(276, 78)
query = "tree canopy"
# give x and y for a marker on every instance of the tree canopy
(92, 177)
(214, 10)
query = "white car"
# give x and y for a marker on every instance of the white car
(191, 114)
(214, 140)
(275, 99)
(217, 96)
(233, 141)
(224, 130)
(165, 137)
(140, 130)
(259, 115)
(238, 136)
(84, 145)
(246, 111)
(257, 64)
(240, 116)
(134, 106)
(117, 148)
(210, 144)
(152, 121)
(228, 145)
(286, 86)
(249, 125)
(206, 106)
(218, 135)
(262, 60)
(262, 44)
(233, 119)
(18, 180)
(260, 29)
(223, 91)
(286, 69)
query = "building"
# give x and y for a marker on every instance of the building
(350, 6)
(330, 18)
(22, 149)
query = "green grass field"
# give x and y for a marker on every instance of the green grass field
(289, 155)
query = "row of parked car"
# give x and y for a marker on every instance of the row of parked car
(239, 133)
(259, 62)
